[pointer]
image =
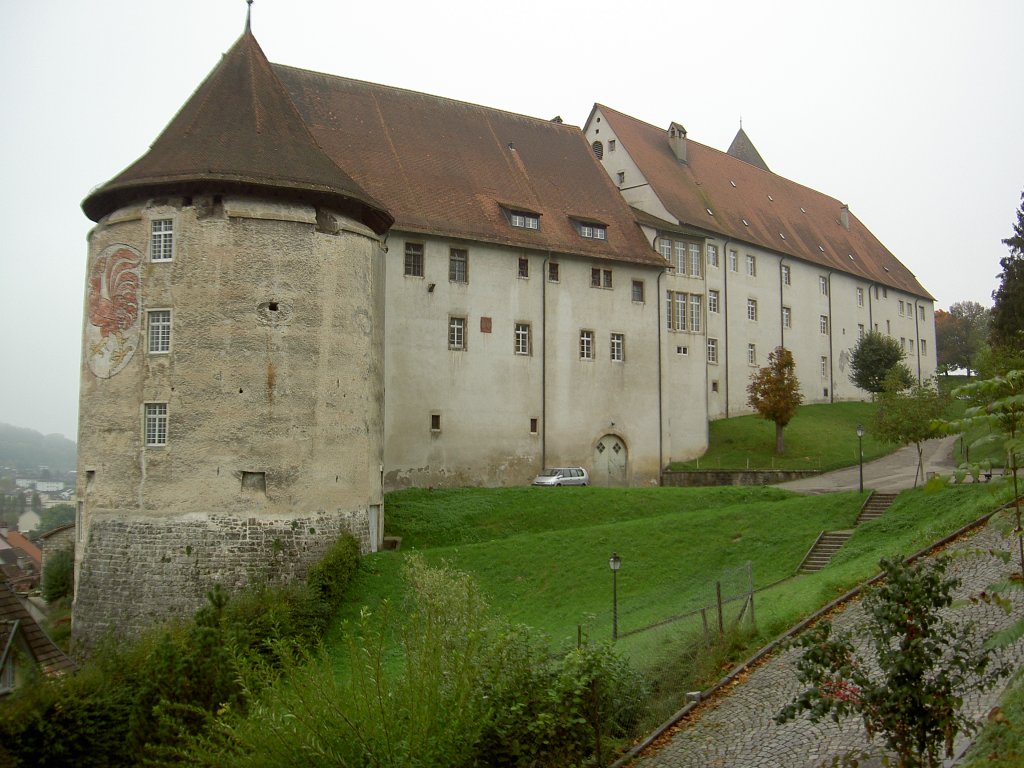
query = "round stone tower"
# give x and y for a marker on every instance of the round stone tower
(231, 401)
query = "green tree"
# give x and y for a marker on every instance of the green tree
(910, 691)
(998, 415)
(55, 517)
(874, 355)
(1008, 309)
(37, 503)
(961, 334)
(774, 392)
(908, 416)
(59, 576)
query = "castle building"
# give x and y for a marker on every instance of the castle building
(312, 289)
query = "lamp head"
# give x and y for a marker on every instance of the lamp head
(614, 561)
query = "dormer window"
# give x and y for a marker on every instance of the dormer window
(524, 220)
(592, 231)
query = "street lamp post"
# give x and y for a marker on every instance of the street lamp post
(860, 453)
(614, 562)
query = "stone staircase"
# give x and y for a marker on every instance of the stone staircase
(827, 544)
(876, 504)
(830, 542)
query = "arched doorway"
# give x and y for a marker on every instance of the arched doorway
(609, 461)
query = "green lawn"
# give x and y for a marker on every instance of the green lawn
(541, 554)
(822, 436)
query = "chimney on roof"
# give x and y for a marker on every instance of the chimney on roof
(844, 216)
(677, 141)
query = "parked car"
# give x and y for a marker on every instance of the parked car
(563, 476)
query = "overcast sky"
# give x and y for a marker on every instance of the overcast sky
(910, 112)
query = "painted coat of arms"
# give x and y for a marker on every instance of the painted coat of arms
(112, 333)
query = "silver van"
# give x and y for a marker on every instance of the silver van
(563, 476)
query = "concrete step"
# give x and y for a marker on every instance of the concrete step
(875, 506)
(821, 554)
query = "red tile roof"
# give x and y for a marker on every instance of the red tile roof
(240, 131)
(51, 659)
(780, 215)
(447, 167)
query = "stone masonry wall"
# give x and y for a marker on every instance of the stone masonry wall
(143, 570)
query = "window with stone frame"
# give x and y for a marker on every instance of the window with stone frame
(752, 310)
(522, 339)
(713, 299)
(161, 240)
(155, 424)
(712, 350)
(457, 333)
(638, 291)
(586, 345)
(618, 347)
(414, 259)
(158, 331)
(458, 265)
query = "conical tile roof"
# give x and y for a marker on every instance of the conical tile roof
(239, 132)
(742, 148)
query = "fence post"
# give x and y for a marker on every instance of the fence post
(750, 592)
(718, 597)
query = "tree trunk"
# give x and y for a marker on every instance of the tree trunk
(779, 446)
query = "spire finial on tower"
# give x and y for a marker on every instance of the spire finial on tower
(248, 16)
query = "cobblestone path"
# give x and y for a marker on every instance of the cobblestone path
(737, 729)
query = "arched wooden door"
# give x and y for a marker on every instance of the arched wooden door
(609, 461)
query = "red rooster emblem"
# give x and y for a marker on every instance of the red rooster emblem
(113, 307)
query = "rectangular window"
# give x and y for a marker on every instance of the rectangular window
(921, 309)
(903, 343)
(910, 345)
(533, 426)
(621, 176)
(523, 270)
(787, 317)
(600, 278)
(902, 308)
(522, 338)
(823, 324)
(786, 275)
(458, 265)
(680, 319)
(752, 309)
(435, 422)
(734, 261)
(712, 255)
(860, 331)
(751, 265)
(593, 231)
(586, 345)
(751, 354)
(158, 331)
(922, 347)
(713, 301)
(680, 257)
(611, 145)
(156, 424)
(823, 285)
(860, 297)
(524, 220)
(553, 272)
(695, 260)
(824, 367)
(696, 314)
(414, 259)
(161, 240)
(665, 248)
(618, 347)
(712, 350)
(638, 291)
(456, 333)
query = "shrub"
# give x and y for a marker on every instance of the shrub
(330, 577)
(59, 577)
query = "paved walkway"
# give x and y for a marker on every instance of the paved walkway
(737, 730)
(889, 474)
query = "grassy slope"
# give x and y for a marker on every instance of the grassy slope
(822, 436)
(541, 554)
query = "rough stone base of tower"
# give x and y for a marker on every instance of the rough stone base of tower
(138, 572)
